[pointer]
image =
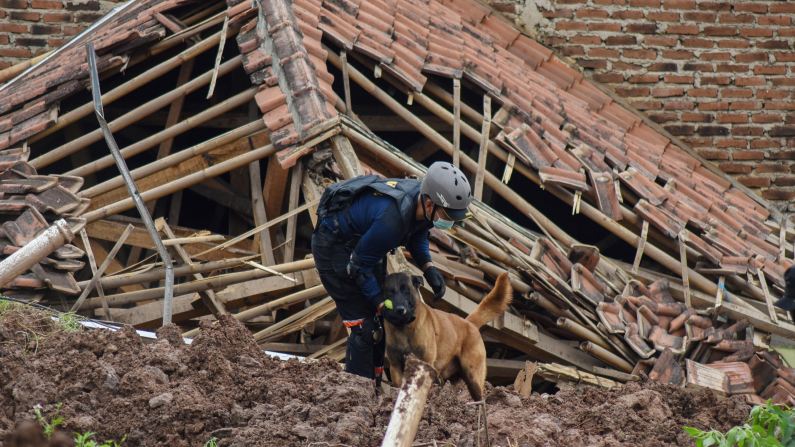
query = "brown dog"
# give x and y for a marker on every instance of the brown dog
(451, 344)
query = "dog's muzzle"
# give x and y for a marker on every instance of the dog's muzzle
(399, 316)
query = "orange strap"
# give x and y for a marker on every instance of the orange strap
(353, 323)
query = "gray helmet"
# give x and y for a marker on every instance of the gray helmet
(448, 188)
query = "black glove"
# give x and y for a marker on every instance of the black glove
(436, 281)
(787, 302)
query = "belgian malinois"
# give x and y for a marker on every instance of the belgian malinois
(451, 344)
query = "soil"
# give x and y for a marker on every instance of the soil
(223, 386)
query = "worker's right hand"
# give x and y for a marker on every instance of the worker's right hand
(436, 281)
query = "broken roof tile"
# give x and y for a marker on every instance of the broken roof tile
(643, 186)
(564, 177)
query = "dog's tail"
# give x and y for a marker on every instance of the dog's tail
(494, 304)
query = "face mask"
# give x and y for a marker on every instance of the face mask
(443, 224)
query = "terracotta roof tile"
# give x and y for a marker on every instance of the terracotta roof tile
(666, 222)
(472, 11)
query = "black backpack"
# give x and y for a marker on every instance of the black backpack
(339, 196)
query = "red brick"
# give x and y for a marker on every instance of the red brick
(716, 56)
(747, 81)
(730, 143)
(736, 18)
(733, 43)
(15, 28)
(612, 27)
(559, 13)
(770, 70)
(15, 52)
(720, 31)
(766, 118)
(88, 17)
(783, 131)
(682, 29)
(745, 105)
(71, 30)
(701, 142)
(774, 44)
(700, 16)
(14, 4)
(644, 79)
(608, 78)
(663, 16)
(3, 13)
(660, 41)
(679, 4)
(771, 94)
(29, 42)
(767, 168)
(786, 32)
(621, 40)
(693, 117)
(700, 67)
(595, 64)
(667, 92)
(783, 155)
(627, 14)
(570, 26)
(733, 68)
(56, 17)
(735, 168)
(603, 52)
(608, 2)
(4, 39)
(679, 79)
(697, 42)
(26, 16)
(784, 56)
(661, 118)
(732, 118)
(716, 80)
(785, 7)
(784, 81)
(778, 194)
(625, 66)
(629, 92)
(717, 105)
(774, 20)
(751, 57)
(56, 42)
(45, 29)
(784, 180)
(639, 54)
(663, 66)
(591, 13)
(571, 2)
(703, 92)
(711, 154)
(641, 28)
(646, 105)
(715, 6)
(645, 3)
(680, 130)
(678, 105)
(765, 143)
(747, 131)
(586, 40)
(756, 32)
(757, 7)
(736, 93)
(572, 50)
(754, 182)
(46, 4)
(89, 5)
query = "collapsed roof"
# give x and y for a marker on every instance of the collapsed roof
(287, 94)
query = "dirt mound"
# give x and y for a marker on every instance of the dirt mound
(222, 386)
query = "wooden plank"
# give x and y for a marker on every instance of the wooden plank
(271, 284)
(92, 262)
(261, 239)
(484, 147)
(457, 122)
(101, 254)
(273, 191)
(101, 270)
(296, 178)
(110, 230)
(150, 315)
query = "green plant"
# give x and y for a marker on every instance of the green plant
(69, 322)
(213, 442)
(768, 425)
(48, 426)
(87, 440)
(6, 305)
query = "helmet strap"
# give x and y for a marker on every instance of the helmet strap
(425, 213)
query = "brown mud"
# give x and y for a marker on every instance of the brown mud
(169, 394)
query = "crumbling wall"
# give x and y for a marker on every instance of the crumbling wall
(718, 74)
(32, 27)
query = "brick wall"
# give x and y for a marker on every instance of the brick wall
(718, 74)
(31, 27)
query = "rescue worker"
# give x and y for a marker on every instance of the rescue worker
(787, 302)
(360, 220)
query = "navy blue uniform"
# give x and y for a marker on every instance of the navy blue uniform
(349, 248)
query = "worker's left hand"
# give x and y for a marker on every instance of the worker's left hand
(436, 281)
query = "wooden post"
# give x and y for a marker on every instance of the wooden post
(771, 310)
(456, 121)
(346, 82)
(685, 269)
(484, 147)
(410, 404)
(644, 234)
(97, 274)
(260, 215)
(218, 56)
(295, 192)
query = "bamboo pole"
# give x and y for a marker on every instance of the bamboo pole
(409, 404)
(130, 86)
(214, 282)
(92, 262)
(296, 321)
(581, 331)
(98, 273)
(606, 356)
(131, 117)
(456, 122)
(177, 158)
(170, 132)
(182, 183)
(483, 151)
(158, 274)
(10, 72)
(34, 251)
(701, 282)
(288, 300)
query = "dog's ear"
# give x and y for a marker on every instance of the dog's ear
(417, 281)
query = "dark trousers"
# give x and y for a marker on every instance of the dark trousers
(366, 346)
